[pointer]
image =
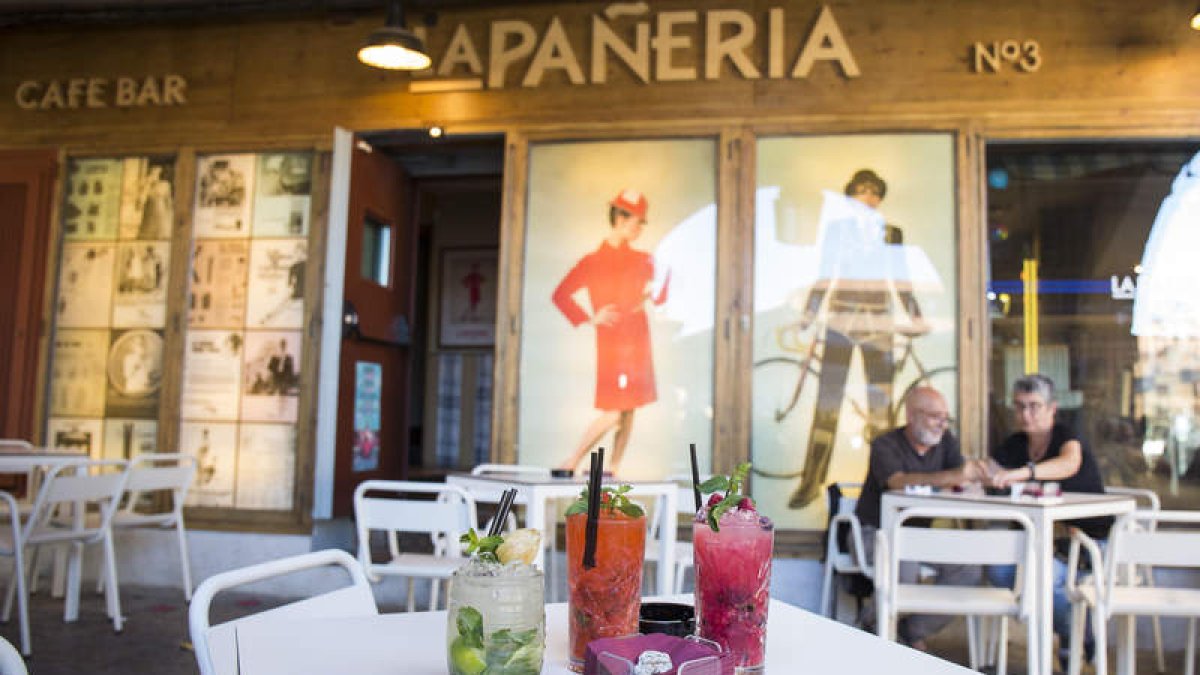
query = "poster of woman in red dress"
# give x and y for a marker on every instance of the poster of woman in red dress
(617, 278)
(618, 299)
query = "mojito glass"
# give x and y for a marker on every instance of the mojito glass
(497, 619)
(733, 577)
(604, 601)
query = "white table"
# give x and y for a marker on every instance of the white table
(1043, 513)
(533, 492)
(415, 644)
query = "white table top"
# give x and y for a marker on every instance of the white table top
(415, 644)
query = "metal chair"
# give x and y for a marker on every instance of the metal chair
(1117, 586)
(13, 546)
(961, 547)
(17, 445)
(96, 483)
(1148, 500)
(843, 555)
(216, 646)
(11, 662)
(448, 515)
(153, 473)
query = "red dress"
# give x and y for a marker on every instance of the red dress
(617, 276)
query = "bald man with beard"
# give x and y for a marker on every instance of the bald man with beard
(922, 452)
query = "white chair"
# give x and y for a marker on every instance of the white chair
(216, 646)
(11, 546)
(1117, 588)
(837, 561)
(959, 547)
(1148, 500)
(95, 483)
(448, 515)
(11, 662)
(153, 473)
(685, 503)
(17, 445)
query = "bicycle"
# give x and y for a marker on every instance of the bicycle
(792, 338)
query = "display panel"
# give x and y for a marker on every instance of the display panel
(111, 305)
(619, 287)
(246, 304)
(854, 304)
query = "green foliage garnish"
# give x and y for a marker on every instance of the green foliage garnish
(470, 627)
(483, 547)
(612, 499)
(732, 486)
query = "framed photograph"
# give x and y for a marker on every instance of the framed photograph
(468, 297)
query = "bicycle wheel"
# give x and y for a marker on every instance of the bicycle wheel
(779, 380)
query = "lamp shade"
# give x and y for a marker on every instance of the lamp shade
(1196, 19)
(394, 47)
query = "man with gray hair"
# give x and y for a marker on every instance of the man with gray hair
(923, 452)
(1045, 450)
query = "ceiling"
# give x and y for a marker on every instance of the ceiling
(22, 13)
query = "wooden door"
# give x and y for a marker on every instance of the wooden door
(373, 384)
(26, 187)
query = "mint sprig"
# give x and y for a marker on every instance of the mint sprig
(617, 500)
(482, 547)
(732, 486)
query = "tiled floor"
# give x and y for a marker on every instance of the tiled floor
(155, 638)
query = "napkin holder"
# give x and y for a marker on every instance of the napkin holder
(690, 655)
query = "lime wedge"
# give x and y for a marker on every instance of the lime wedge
(467, 660)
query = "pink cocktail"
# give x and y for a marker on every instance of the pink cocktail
(733, 576)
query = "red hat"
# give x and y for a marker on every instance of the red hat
(631, 201)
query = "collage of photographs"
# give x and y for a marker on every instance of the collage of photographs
(245, 309)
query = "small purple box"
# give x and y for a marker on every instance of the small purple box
(620, 656)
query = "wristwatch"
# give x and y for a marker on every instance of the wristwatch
(1032, 467)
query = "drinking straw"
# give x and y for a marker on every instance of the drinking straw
(593, 513)
(695, 478)
(505, 505)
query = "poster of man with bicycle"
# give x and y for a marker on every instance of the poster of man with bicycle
(870, 316)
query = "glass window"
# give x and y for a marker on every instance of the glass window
(1093, 270)
(376, 251)
(854, 305)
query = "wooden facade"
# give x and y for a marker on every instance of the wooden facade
(1075, 69)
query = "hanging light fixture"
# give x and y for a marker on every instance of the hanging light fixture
(1196, 19)
(394, 47)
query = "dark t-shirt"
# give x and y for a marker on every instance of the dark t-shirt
(1013, 453)
(891, 453)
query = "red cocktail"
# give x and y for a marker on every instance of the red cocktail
(604, 600)
(733, 575)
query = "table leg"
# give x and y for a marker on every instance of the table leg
(666, 541)
(1126, 644)
(535, 518)
(1044, 590)
(74, 574)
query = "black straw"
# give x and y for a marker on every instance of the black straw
(506, 502)
(695, 478)
(593, 515)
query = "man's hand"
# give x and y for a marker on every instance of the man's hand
(606, 316)
(974, 470)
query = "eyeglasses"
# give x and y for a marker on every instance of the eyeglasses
(1033, 407)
